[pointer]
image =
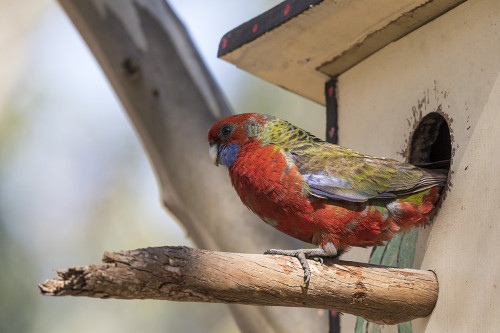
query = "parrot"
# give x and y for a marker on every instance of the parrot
(321, 193)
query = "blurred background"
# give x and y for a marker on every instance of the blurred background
(74, 180)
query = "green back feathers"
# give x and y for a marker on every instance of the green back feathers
(336, 172)
(285, 135)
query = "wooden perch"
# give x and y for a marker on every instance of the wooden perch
(379, 294)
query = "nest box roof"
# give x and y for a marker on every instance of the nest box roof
(301, 44)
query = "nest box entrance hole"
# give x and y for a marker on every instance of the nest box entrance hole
(430, 145)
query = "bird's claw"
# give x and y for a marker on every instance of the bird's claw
(302, 255)
(318, 259)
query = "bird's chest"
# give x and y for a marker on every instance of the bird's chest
(272, 188)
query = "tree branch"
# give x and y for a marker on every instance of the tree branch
(379, 294)
(172, 100)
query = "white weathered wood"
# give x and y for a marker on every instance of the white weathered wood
(451, 64)
(304, 52)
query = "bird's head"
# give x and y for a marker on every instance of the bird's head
(228, 136)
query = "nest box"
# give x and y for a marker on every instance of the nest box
(414, 80)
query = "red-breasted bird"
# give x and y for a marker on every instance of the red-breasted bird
(319, 192)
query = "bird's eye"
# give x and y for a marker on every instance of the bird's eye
(226, 130)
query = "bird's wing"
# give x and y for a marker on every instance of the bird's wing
(339, 173)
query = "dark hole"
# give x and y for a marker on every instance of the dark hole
(441, 149)
(431, 143)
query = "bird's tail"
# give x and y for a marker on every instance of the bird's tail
(414, 210)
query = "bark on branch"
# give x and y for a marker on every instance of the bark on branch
(379, 294)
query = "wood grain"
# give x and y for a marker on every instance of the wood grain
(378, 294)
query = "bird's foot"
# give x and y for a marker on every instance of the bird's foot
(302, 255)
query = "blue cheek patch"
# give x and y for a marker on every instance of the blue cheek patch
(228, 154)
